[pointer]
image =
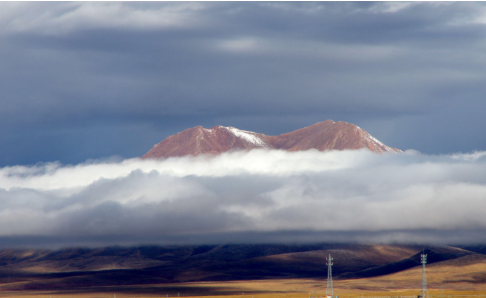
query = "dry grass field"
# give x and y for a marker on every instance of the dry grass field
(455, 278)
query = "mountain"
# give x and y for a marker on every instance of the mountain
(88, 268)
(158, 270)
(327, 135)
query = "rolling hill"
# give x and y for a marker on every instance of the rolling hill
(148, 267)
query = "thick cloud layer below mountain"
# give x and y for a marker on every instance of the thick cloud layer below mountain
(256, 196)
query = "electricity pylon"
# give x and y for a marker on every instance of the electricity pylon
(423, 260)
(329, 291)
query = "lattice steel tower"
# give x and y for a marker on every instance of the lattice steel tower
(329, 291)
(423, 260)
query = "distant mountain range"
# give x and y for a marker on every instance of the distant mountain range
(143, 269)
(327, 135)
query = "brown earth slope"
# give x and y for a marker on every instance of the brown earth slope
(466, 273)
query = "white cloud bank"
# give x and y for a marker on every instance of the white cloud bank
(251, 196)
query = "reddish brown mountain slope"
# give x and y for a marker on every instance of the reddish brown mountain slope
(199, 140)
(327, 135)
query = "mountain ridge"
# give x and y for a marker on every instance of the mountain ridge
(326, 135)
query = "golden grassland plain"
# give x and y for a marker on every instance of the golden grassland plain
(461, 277)
(292, 288)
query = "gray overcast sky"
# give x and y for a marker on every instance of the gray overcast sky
(89, 80)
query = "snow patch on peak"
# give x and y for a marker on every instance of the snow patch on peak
(383, 146)
(247, 136)
(374, 139)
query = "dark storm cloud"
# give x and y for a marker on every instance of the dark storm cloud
(88, 80)
(256, 196)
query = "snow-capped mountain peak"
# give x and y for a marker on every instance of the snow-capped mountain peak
(327, 135)
(248, 136)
